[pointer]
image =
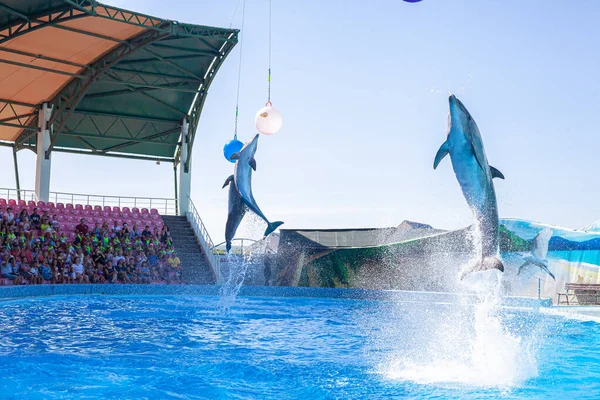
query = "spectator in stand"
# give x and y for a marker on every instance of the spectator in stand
(116, 229)
(146, 233)
(8, 215)
(7, 271)
(54, 223)
(79, 271)
(82, 228)
(45, 225)
(23, 216)
(34, 274)
(110, 272)
(35, 218)
(173, 261)
(165, 235)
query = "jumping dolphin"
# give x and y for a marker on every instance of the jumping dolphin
(243, 180)
(237, 210)
(474, 174)
(539, 252)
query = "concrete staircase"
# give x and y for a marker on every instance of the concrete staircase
(195, 267)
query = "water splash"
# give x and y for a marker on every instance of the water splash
(473, 347)
(235, 279)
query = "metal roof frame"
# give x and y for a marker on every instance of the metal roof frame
(117, 70)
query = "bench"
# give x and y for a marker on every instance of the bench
(582, 293)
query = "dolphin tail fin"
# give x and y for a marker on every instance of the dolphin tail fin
(272, 226)
(522, 266)
(485, 264)
(228, 246)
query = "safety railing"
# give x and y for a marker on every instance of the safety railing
(164, 206)
(205, 241)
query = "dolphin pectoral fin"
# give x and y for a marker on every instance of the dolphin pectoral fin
(272, 226)
(496, 173)
(235, 156)
(441, 153)
(227, 181)
(252, 163)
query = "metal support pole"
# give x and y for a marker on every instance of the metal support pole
(17, 173)
(43, 162)
(176, 190)
(185, 168)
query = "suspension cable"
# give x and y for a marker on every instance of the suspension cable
(237, 101)
(269, 78)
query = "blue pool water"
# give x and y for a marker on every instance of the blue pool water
(174, 347)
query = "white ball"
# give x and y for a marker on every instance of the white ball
(268, 120)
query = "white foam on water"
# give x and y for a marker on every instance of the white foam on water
(469, 345)
(472, 348)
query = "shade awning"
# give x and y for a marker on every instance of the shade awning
(118, 82)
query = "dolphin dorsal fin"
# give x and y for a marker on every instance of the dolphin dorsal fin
(235, 156)
(227, 181)
(252, 163)
(496, 173)
(442, 152)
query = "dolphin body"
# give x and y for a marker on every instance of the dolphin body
(243, 180)
(474, 174)
(540, 251)
(237, 210)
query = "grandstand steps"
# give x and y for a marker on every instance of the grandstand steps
(195, 267)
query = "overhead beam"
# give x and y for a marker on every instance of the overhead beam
(155, 74)
(43, 57)
(120, 138)
(87, 33)
(114, 155)
(171, 63)
(18, 117)
(134, 142)
(11, 125)
(18, 103)
(32, 66)
(181, 49)
(127, 116)
(137, 87)
(183, 57)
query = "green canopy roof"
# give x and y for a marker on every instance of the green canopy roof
(120, 83)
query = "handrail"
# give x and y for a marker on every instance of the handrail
(165, 206)
(205, 241)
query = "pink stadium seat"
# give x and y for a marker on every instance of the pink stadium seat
(69, 206)
(61, 217)
(107, 208)
(12, 202)
(77, 212)
(135, 210)
(116, 209)
(96, 213)
(144, 211)
(87, 213)
(125, 209)
(22, 203)
(97, 208)
(60, 206)
(135, 216)
(3, 202)
(154, 211)
(99, 220)
(88, 207)
(70, 219)
(50, 204)
(78, 207)
(105, 214)
(31, 203)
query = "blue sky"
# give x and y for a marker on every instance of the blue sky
(363, 90)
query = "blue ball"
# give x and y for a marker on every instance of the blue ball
(233, 146)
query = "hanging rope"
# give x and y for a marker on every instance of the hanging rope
(269, 79)
(237, 101)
